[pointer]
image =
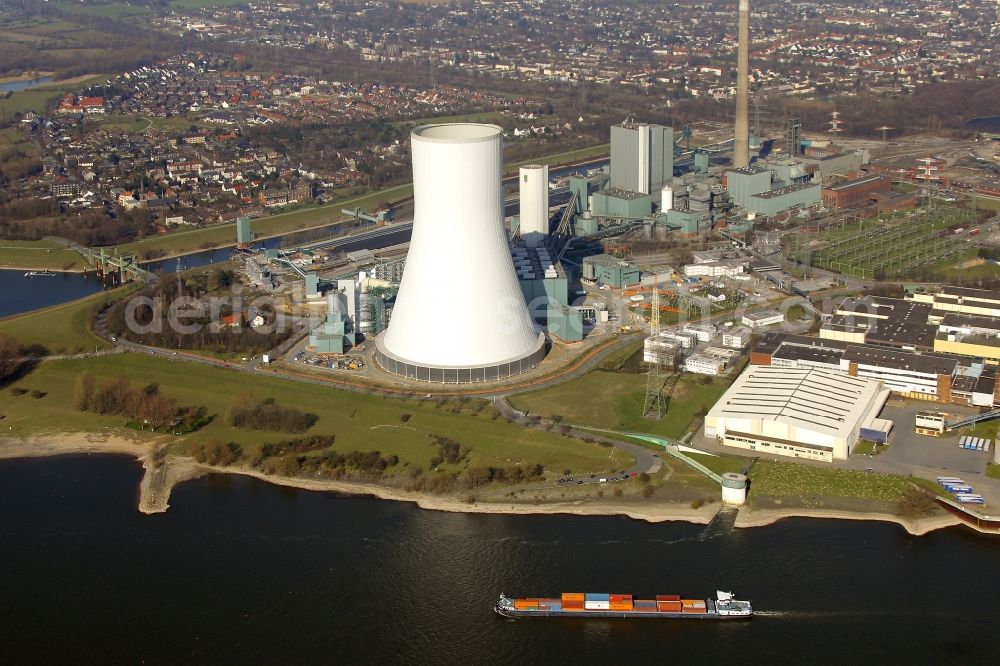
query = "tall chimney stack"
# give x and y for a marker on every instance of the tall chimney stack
(741, 144)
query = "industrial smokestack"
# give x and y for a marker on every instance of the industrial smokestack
(460, 314)
(741, 142)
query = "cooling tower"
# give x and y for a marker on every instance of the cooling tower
(460, 315)
(534, 194)
(741, 140)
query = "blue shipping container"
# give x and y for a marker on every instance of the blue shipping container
(597, 596)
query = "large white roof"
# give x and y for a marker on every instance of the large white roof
(825, 402)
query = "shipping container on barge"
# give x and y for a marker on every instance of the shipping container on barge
(590, 604)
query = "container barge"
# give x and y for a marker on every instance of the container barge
(589, 604)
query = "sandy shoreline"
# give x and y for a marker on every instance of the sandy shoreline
(7, 267)
(158, 482)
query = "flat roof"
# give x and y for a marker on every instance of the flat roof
(931, 364)
(826, 402)
(857, 182)
(782, 191)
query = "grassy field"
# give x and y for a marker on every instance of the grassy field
(61, 329)
(615, 400)
(360, 422)
(111, 9)
(782, 479)
(993, 471)
(38, 255)
(133, 123)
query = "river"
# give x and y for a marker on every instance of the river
(239, 571)
(21, 293)
(25, 84)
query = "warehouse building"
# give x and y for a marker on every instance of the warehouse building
(798, 412)
(913, 374)
(618, 203)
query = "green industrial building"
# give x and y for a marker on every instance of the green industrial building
(332, 336)
(619, 203)
(565, 322)
(777, 201)
(741, 184)
(610, 270)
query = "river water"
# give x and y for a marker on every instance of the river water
(239, 571)
(14, 86)
(19, 293)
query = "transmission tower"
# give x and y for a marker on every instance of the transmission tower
(653, 405)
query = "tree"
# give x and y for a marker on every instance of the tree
(10, 356)
(84, 392)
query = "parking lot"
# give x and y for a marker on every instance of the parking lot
(909, 448)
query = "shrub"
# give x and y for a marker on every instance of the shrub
(697, 504)
(648, 491)
(251, 413)
(915, 502)
(18, 392)
(403, 418)
(36, 394)
(644, 478)
(618, 492)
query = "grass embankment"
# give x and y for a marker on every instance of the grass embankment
(61, 329)
(993, 471)
(614, 400)
(360, 422)
(38, 255)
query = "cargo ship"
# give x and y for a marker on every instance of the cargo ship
(590, 604)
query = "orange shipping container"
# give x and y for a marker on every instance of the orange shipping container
(573, 605)
(668, 597)
(621, 605)
(522, 604)
(620, 597)
(573, 596)
(694, 610)
(692, 602)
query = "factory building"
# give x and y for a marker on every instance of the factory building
(460, 314)
(962, 299)
(912, 374)
(337, 333)
(716, 268)
(642, 157)
(773, 202)
(855, 193)
(609, 270)
(797, 412)
(533, 184)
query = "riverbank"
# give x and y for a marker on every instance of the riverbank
(161, 477)
(749, 517)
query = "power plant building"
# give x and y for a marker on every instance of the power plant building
(642, 157)
(773, 202)
(460, 315)
(533, 182)
(609, 270)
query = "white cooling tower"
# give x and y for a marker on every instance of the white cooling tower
(534, 195)
(460, 315)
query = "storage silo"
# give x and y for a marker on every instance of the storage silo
(534, 194)
(460, 315)
(666, 199)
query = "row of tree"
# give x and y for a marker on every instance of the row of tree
(251, 412)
